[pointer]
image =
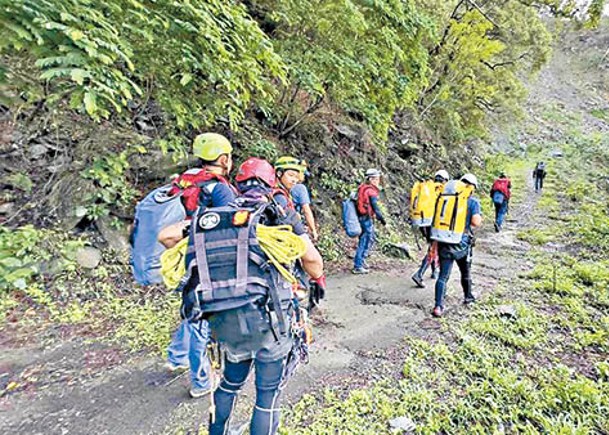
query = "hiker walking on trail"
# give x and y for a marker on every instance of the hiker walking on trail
(289, 171)
(302, 202)
(539, 173)
(367, 209)
(456, 215)
(241, 282)
(500, 194)
(423, 199)
(204, 187)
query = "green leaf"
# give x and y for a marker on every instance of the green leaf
(90, 101)
(186, 78)
(79, 75)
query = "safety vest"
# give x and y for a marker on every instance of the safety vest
(423, 198)
(280, 190)
(450, 217)
(226, 268)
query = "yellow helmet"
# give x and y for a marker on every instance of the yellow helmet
(210, 146)
(290, 163)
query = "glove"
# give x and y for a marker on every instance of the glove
(317, 290)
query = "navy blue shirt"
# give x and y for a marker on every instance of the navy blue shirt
(221, 195)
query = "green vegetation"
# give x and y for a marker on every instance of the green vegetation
(539, 367)
(450, 62)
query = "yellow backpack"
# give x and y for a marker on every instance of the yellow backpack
(450, 215)
(423, 197)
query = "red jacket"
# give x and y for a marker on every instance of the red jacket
(364, 193)
(189, 182)
(502, 185)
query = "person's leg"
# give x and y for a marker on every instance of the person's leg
(417, 277)
(501, 214)
(358, 262)
(200, 367)
(265, 420)
(177, 352)
(540, 183)
(371, 236)
(536, 184)
(465, 265)
(225, 396)
(446, 265)
(434, 259)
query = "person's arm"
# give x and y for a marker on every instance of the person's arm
(310, 220)
(172, 234)
(476, 213)
(377, 211)
(476, 221)
(312, 262)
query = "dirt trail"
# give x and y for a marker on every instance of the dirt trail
(87, 388)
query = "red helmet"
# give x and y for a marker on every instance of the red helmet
(256, 168)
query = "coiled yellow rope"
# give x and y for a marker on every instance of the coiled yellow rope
(281, 246)
(173, 264)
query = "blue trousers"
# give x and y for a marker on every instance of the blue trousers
(500, 212)
(265, 419)
(188, 347)
(446, 266)
(366, 240)
(538, 183)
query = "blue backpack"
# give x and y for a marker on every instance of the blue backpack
(156, 211)
(350, 218)
(498, 197)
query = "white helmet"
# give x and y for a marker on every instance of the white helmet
(471, 179)
(442, 174)
(372, 172)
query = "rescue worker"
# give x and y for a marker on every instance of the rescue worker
(249, 333)
(539, 173)
(302, 202)
(431, 258)
(203, 187)
(367, 209)
(501, 194)
(460, 253)
(289, 171)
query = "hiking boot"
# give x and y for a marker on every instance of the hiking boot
(196, 392)
(469, 301)
(360, 271)
(418, 280)
(173, 367)
(437, 312)
(497, 227)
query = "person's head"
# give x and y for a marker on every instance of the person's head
(255, 174)
(214, 151)
(289, 170)
(373, 176)
(470, 179)
(502, 175)
(441, 176)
